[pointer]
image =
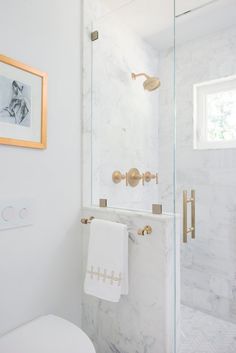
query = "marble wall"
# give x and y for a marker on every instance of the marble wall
(124, 117)
(119, 115)
(208, 264)
(142, 321)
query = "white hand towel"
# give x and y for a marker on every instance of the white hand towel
(107, 265)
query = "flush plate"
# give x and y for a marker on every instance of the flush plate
(15, 213)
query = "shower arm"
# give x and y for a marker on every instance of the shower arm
(134, 76)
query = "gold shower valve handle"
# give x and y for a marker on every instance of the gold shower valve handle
(146, 230)
(148, 176)
(117, 177)
(133, 177)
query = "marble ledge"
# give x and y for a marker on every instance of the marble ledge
(117, 212)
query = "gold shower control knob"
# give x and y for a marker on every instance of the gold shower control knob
(133, 177)
(148, 176)
(117, 177)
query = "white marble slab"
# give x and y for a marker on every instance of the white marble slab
(208, 275)
(118, 115)
(143, 320)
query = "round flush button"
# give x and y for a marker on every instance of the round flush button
(23, 213)
(8, 213)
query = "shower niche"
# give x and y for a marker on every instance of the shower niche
(128, 81)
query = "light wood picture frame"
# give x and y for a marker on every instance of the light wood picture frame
(23, 105)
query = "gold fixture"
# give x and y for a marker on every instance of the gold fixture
(86, 220)
(146, 230)
(94, 36)
(134, 177)
(192, 229)
(150, 84)
(157, 209)
(117, 177)
(148, 176)
(102, 202)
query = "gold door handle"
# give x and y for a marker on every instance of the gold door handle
(192, 229)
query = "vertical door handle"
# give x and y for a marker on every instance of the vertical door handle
(192, 229)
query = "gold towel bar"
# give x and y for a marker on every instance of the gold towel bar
(86, 220)
(146, 230)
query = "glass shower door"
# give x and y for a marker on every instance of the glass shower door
(206, 175)
(129, 142)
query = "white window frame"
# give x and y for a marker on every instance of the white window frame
(200, 92)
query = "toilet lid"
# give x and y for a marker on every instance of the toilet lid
(47, 334)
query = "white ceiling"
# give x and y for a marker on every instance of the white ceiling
(187, 5)
(153, 20)
(155, 5)
(145, 17)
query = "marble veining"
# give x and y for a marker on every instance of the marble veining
(118, 114)
(208, 264)
(143, 320)
(124, 116)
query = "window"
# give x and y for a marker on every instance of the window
(215, 114)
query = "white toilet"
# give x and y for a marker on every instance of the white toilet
(47, 334)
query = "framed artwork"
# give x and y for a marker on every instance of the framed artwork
(23, 105)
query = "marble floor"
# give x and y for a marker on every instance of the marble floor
(202, 333)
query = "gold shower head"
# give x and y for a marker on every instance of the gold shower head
(150, 84)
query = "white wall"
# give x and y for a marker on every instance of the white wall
(40, 265)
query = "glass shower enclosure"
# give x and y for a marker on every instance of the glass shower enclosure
(159, 141)
(125, 75)
(205, 79)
